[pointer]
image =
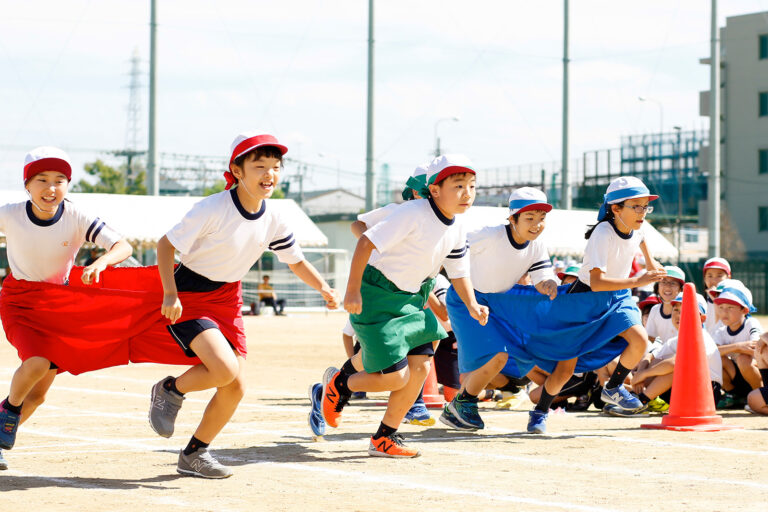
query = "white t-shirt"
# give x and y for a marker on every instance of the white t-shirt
(373, 217)
(669, 349)
(221, 240)
(414, 241)
(348, 329)
(750, 330)
(659, 325)
(498, 262)
(45, 250)
(712, 324)
(610, 251)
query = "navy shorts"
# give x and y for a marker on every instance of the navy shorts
(764, 392)
(447, 362)
(422, 350)
(185, 332)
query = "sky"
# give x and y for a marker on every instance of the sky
(298, 69)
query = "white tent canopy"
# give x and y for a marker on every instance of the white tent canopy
(564, 234)
(147, 218)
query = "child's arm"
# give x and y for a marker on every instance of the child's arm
(309, 274)
(463, 287)
(171, 308)
(599, 283)
(547, 287)
(437, 307)
(650, 263)
(742, 347)
(658, 368)
(358, 228)
(119, 251)
(349, 345)
(353, 301)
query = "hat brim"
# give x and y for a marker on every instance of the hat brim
(450, 171)
(545, 207)
(651, 197)
(283, 149)
(718, 266)
(47, 164)
(719, 301)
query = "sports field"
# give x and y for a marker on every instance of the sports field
(90, 448)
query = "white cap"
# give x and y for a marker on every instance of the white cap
(445, 165)
(528, 198)
(736, 293)
(633, 188)
(246, 141)
(700, 302)
(421, 170)
(46, 158)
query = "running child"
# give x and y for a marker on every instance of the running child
(611, 246)
(501, 255)
(44, 235)
(220, 239)
(387, 294)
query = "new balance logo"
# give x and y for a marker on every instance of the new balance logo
(197, 465)
(331, 395)
(159, 403)
(382, 446)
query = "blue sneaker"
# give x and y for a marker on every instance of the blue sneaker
(447, 418)
(418, 415)
(3, 463)
(316, 421)
(9, 423)
(537, 422)
(359, 395)
(620, 397)
(466, 413)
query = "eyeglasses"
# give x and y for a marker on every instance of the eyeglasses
(669, 282)
(640, 209)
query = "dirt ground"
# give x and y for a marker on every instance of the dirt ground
(90, 448)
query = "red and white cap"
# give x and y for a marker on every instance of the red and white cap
(246, 142)
(528, 198)
(737, 294)
(720, 263)
(446, 165)
(46, 158)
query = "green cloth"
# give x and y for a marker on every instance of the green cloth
(393, 321)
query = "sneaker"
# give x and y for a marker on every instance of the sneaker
(163, 409)
(466, 413)
(3, 462)
(418, 415)
(620, 397)
(9, 423)
(726, 401)
(509, 400)
(201, 464)
(447, 418)
(391, 446)
(333, 401)
(581, 404)
(746, 408)
(615, 410)
(316, 421)
(359, 395)
(658, 405)
(537, 422)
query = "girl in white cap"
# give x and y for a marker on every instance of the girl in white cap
(501, 255)
(44, 235)
(387, 293)
(737, 339)
(611, 247)
(219, 240)
(659, 324)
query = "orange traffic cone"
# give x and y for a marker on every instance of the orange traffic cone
(692, 407)
(432, 397)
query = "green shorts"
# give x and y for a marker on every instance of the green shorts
(393, 321)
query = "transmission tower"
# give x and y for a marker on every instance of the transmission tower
(133, 130)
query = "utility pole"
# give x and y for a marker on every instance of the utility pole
(153, 171)
(679, 173)
(565, 201)
(370, 183)
(713, 185)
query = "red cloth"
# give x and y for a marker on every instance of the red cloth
(83, 328)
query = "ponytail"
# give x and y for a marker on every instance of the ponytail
(609, 217)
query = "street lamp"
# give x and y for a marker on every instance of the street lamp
(679, 169)
(437, 139)
(661, 111)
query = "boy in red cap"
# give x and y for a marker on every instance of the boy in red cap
(219, 240)
(44, 235)
(387, 293)
(716, 270)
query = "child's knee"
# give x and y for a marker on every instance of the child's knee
(397, 380)
(236, 389)
(224, 372)
(756, 401)
(36, 365)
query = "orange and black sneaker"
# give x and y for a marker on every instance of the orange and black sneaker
(333, 401)
(391, 446)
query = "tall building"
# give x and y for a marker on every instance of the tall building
(744, 129)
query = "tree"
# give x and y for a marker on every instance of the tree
(111, 180)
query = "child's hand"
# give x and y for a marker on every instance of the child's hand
(747, 347)
(91, 272)
(548, 287)
(331, 297)
(650, 277)
(171, 308)
(479, 313)
(353, 302)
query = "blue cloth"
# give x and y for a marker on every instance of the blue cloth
(535, 330)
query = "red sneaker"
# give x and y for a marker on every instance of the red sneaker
(391, 446)
(333, 401)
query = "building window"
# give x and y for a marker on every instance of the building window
(762, 158)
(763, 46)
(691, 238)
(763, 104)
(762, 214)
